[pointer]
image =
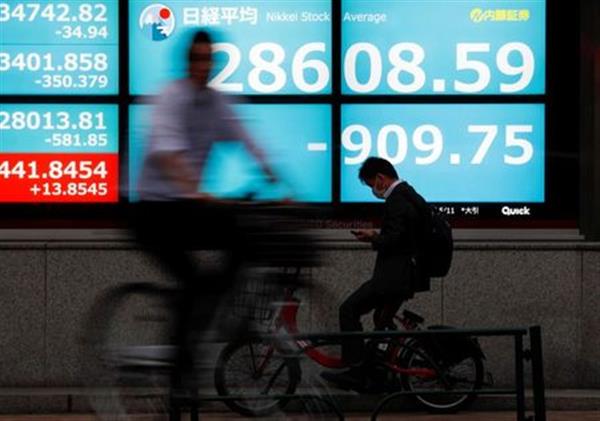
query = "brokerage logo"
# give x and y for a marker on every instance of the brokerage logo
(157, 21)
(479, 15)
(524, 211)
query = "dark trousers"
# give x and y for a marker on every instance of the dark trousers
(362, 301)
(171, 233)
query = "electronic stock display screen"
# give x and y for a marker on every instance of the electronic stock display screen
(443, 47)
(59, 47)
(451, 152)
(58, 153)
(268, 47)
(296, 139)
(65, 151)
(453, 92)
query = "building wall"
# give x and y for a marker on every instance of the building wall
(49, 287)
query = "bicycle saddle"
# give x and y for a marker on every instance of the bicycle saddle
(413, 317)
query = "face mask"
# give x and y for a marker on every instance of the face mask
(378, 193)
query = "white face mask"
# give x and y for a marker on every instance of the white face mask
(380, 194)
(377, 193)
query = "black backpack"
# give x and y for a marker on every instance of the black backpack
(438, 247)
(435, 256)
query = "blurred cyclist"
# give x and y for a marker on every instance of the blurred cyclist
(172, 218)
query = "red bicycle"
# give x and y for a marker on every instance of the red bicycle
(265, 367)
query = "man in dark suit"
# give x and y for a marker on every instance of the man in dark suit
(395, 276)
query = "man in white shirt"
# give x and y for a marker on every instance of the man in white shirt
(172, 218)
(188, 118)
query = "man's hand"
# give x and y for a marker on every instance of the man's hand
(366, 236)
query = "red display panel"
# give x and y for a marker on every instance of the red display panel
(71, 178)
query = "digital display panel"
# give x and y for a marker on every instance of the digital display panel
(296, 140)
(450, 153)
(269, 47)
(461, 95)
(59, 47)
(58, 153)
(443, 47)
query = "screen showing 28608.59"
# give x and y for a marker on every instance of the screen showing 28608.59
(452, 151)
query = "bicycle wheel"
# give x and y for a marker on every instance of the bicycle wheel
(128, 360)
(463, 375)
(255, 368)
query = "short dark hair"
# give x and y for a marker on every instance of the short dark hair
(201, 36)
(373, 166)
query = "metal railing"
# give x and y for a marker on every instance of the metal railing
(533, 355)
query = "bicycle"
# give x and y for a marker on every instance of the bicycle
(255, 366)
(129, 350)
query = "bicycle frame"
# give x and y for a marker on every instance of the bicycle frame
(286, 320)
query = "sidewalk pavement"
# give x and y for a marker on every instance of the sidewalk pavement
(405, 416)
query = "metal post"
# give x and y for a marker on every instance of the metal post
(519, 378)
(174, 410)
(537, 369)
(174, 414)
(194, 412)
